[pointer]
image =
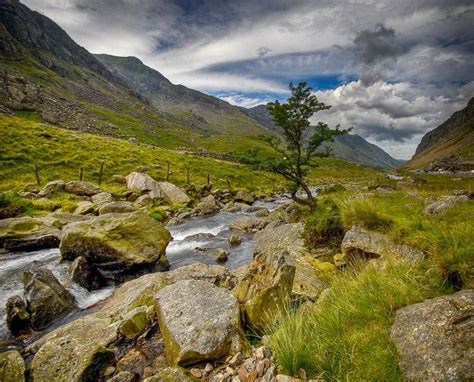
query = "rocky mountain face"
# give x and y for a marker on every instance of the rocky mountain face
(349, 147)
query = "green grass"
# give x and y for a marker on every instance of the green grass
(347, 335)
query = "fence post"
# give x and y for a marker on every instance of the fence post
(208, 178)
(37, 173)
(101, 172)
(228, 182)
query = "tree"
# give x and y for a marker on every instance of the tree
(301, 141)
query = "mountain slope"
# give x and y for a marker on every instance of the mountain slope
(454, 137)
(199, 110)
(349, 147)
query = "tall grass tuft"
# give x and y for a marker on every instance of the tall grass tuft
(346, 336)
(365, 212)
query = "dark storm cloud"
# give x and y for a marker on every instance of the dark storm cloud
(377, 45)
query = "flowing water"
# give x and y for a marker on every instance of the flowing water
(200, 231)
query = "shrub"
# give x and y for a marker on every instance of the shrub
(12, 205)
(324, 226)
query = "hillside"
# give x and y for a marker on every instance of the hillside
(350, 147)
(44, 72)
(454, 137)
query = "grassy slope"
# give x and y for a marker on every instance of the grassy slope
(347, 335)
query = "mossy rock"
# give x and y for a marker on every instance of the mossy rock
(171, 374)
(12, 367)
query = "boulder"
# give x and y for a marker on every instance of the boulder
(82, 188)
(12, 367)
(30, 187)
(27, 234)
(360, 243)
(265, 290)
(120, 245)
(46, 299)
(102, 198)
(86, 275)
(207, 206)
(262, 213)
(199, 322)
(81, 349)
(124, 376)
(248, 224)
(445, 203)
(173, 194)
(59, 219)
(52, 187)
(435, 338)
(85, 207)
(144, 182)
(144, 200)
(235, 240)
(244, 197)
(117, 207)
(222, 255)
(18, 317)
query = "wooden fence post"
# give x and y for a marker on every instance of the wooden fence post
(101, 172)
(208, 178)
(37, 173)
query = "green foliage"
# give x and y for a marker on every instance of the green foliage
(324, 225)
(346, 336)
(364, 212)
(11, 205)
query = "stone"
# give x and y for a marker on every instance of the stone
(266, 288)
(118, 244)
(85, 207)
(361, 243)
(248, 224)
(30, 187)
(136, 321)
(12, 367)
(173, 194)
(199, 322)
(52, 187)
(435, 338)
(87, 276)
(28, 195)
(102, 198)
(81, 188)
(262, 213)
(117, 207)
(196, 373)
(18, 317)
(222, 255)
(144, 200)
(235, 240)
(46, 299)
(244, 197)
(170, 374)
(144, 182)
(124, 376)
(59, 219)
(134, 361)
(27, 234)
(207, 206)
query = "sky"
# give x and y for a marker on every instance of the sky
(391, 69)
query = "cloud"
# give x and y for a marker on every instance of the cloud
(263, 51)
(377, 45)
(242, 100)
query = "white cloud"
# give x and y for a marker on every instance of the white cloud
(244, 101)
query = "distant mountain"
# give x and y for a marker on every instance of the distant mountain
(454, 137)
(197, 109)
(349, 147)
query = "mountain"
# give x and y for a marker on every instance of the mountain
(454, 137)
(349, 147)
(45, 75)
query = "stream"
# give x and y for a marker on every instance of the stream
(200, 231)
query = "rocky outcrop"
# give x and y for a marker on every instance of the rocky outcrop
(46, 299)
(118, 244)
(117, 207)
(27, 234)
(173, 194)
(360, 243)
(102, 198)
(244, 197)
(265, 290)
(80, 350)
(86, 275)
(207, 206)
(144, 183)
(85, 207)
(434, 338)
(81, 188)
(12, 367)
(215, 334)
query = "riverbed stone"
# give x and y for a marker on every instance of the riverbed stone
(199, 321)
(12, 367)
(118, 244)
(171, 374)
(173, 194)
(249, 224)
(18, 317)
(27, 234)
(435, 338)
(244, 197)
(207, 206)
(46, 299)
(86, 275)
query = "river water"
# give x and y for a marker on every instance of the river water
(200, 231)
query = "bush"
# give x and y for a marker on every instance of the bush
(324, 226)
(11, 205)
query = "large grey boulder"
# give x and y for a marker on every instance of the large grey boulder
(118, 244)
(27, 234)
(144, 182)
(46, 299)
(244, 197)
(361, 243)
(82, 188)
(52, 187)
(85, 207)
(435, 338)
(199, 322)
(81, 349)
(173, 194)
(102, 198)
(207, 206)
(249, 224)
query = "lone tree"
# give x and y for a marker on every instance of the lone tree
(301, 140)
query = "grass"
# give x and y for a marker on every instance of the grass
(347, 335)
